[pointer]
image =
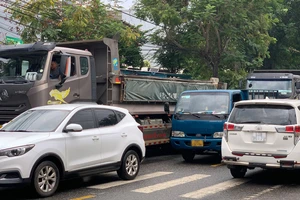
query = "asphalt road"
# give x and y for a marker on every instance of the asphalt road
(166, 176)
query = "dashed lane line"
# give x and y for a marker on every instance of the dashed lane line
(172, 183)
(255, 196)
(138, 178)
(214, 189)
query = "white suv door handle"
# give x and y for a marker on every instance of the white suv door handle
(95, 138)
(124, 135)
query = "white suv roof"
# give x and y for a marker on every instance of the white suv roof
(292, 102)
(78, 105)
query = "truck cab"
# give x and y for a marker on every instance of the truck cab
(198, 119)
(25, 80)
(285, 82)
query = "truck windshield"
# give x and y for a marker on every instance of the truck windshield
(26, 66)
(284, 87)
(203, 103)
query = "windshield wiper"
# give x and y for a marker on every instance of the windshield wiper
(216, 115)
(20, 131)
(195, 115)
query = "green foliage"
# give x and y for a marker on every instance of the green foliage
(211, 36)
(56, 20)
(285, 53)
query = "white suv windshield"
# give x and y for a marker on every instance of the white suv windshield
(263, 114)
(37, 121)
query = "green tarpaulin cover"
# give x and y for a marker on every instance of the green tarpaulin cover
(158, 90)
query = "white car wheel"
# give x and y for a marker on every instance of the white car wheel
(46, 178)
(130, 165)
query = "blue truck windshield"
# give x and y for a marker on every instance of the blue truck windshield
(284, 87)
(203, 103)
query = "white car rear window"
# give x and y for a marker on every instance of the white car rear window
(263, 114)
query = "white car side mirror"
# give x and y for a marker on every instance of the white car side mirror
(73, 128)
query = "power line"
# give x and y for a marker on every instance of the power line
(20, 12)
(8, 29)
(20, 23)
(109, 6)
(23, 7)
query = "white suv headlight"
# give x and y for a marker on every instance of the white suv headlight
(16, 151)
(178, 134)
(218, 135)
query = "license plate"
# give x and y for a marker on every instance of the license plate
(259, 137)
(197, 143)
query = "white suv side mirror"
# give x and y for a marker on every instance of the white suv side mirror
(73, 128)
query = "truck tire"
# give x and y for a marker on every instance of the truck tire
(238, 172)
(188, 156)
(46, 179)
(130, 165)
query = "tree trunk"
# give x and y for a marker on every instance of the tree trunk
(215, 70)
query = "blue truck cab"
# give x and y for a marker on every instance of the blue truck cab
(197, 122)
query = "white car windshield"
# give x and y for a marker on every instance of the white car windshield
(36, 121)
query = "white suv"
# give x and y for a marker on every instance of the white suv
(262, 133)
(47, 144)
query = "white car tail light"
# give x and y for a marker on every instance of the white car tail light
(230, 127)
(295, 129)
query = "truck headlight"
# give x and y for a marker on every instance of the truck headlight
(16, 151)
(178, 134)
(218, 135)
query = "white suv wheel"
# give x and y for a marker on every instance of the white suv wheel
(130, 165)
(46, 178)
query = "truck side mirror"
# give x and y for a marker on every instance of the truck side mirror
(167, 108)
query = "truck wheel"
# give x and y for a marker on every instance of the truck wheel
(238, 172)
(46, 179)
(130, 166)
(188, 156)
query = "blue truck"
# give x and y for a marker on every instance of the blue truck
(197, 122)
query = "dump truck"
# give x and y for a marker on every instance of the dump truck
(284, 83)
(91, 73)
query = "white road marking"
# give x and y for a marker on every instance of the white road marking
(138, 178)
(172, 183)
(262, 192)
(214, 189)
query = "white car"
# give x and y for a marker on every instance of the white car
(262, 133)
(47, 144)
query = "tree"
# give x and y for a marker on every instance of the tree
(223, 34)
(285, 53)
(57, 20)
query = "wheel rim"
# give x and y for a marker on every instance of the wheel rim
(47, 179)
(132, 165)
